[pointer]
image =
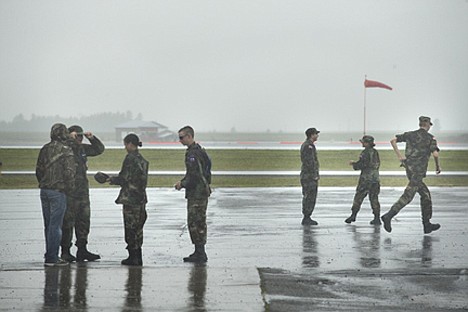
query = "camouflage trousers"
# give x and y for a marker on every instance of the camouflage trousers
(196, 219)
(134, 220)
(77, 219)
(362, 190)
(309, 196)
(415, 185)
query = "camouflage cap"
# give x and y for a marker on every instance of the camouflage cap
(367, 139)
(76, 128)
(311, 131)
(425, 119)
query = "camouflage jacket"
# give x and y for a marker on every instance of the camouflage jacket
(132, 178)
(81, 152)
(56, 168)
(419, 146)
(310, 163)
(197, 178)
(368, 163)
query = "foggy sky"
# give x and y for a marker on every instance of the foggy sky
(252, 65)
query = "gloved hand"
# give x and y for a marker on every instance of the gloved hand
(101, 177)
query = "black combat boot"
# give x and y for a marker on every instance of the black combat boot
(351, 218)
(199, 256)
(132, 258)
(66, 255)
(308, 221)
(430, 227)
(387, 220)
(83, 254)
(376, 220)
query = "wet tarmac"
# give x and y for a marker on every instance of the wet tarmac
(260, 257)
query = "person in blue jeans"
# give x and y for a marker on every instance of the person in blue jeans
(55, 172)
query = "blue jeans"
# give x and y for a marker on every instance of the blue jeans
(54, 205)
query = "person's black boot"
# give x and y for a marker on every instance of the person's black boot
(67, 256)
(132, 258)
(351, 218)
(376, 220)
(199, 256)
(308, 221)
(387, 220)
(83, 254)
(430, 227)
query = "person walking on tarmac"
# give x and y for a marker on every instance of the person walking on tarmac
(78, 213)
(197, 190)
(369, 181)
(420, 144)
(309, 175)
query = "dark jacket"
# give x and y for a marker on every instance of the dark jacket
(81, 153)
(368, 163)
(310, 164)
(55, 167)
(132, 178)
(197, 178)
(419, 146)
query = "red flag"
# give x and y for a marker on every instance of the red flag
(375, 84)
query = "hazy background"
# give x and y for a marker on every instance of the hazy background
(243, 65)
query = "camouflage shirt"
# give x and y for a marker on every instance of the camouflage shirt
(368, 163)
(132, 178)
(197, 178)
(310, 163)
(81, 152)
(419, 146)
(55, 167)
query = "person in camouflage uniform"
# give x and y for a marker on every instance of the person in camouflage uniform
(309, 175)
(133, 178)
(369, 181)
(78, 211)
(55, 172)
(420, 144)
(196, 182)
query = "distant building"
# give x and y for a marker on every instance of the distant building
(148, 131)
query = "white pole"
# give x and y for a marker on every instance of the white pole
(365, 78)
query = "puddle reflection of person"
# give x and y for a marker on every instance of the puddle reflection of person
(51, 288)
(81, 285)
(133, 288)
(57, 284)
(368, 245)
(197, 287)
(426, 251)
(310, 258)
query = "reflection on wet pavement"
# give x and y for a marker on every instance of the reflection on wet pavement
(197, 288)
(261, 258)
(133, 288)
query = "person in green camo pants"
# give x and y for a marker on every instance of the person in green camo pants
(196, 182)
(420, 144)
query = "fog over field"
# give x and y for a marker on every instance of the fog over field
(248, 66)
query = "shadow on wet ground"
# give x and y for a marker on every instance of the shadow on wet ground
(260, 257)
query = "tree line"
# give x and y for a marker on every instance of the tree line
(102, 122)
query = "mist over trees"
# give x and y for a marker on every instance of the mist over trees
(102, 122)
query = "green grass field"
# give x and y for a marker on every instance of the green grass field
(243, 160)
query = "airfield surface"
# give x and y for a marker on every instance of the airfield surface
(260, 257)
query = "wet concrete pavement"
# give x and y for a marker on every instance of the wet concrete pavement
(260, 257)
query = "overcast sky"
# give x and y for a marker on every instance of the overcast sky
(252, 65)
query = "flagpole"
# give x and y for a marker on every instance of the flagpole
(365, 78)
